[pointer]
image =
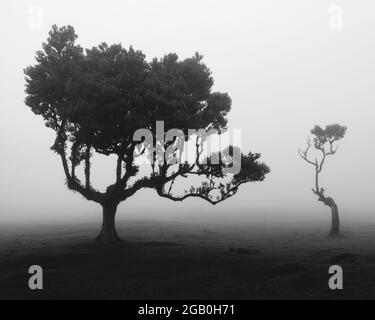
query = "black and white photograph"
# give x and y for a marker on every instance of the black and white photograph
(160, 151)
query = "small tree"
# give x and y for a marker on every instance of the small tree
(95, 100)
(324, 142)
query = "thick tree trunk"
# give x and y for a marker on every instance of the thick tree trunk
(328, 201)
(108, 233)
(335, 228)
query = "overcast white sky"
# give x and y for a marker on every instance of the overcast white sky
(281, 62)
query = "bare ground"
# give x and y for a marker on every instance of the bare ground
(187, 261)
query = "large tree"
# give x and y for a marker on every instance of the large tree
(97, 99)
(325, 142)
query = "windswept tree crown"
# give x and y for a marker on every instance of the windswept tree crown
(106, 93)
(95, 99)
(330, 134)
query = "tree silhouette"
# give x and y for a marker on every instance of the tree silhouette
(97, 99)
(324, 141)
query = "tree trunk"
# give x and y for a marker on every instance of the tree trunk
(108, 233)
(328, 201)
(335, 228)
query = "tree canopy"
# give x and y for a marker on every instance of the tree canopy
(96, 99)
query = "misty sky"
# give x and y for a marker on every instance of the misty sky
(284, 66)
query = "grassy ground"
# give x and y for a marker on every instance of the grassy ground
(186, 261)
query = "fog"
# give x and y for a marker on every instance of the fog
(284, 64)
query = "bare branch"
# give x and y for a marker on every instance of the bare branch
(303, 155)
(75, 185)
(205, 195)
(118, 168)
(87, 167)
